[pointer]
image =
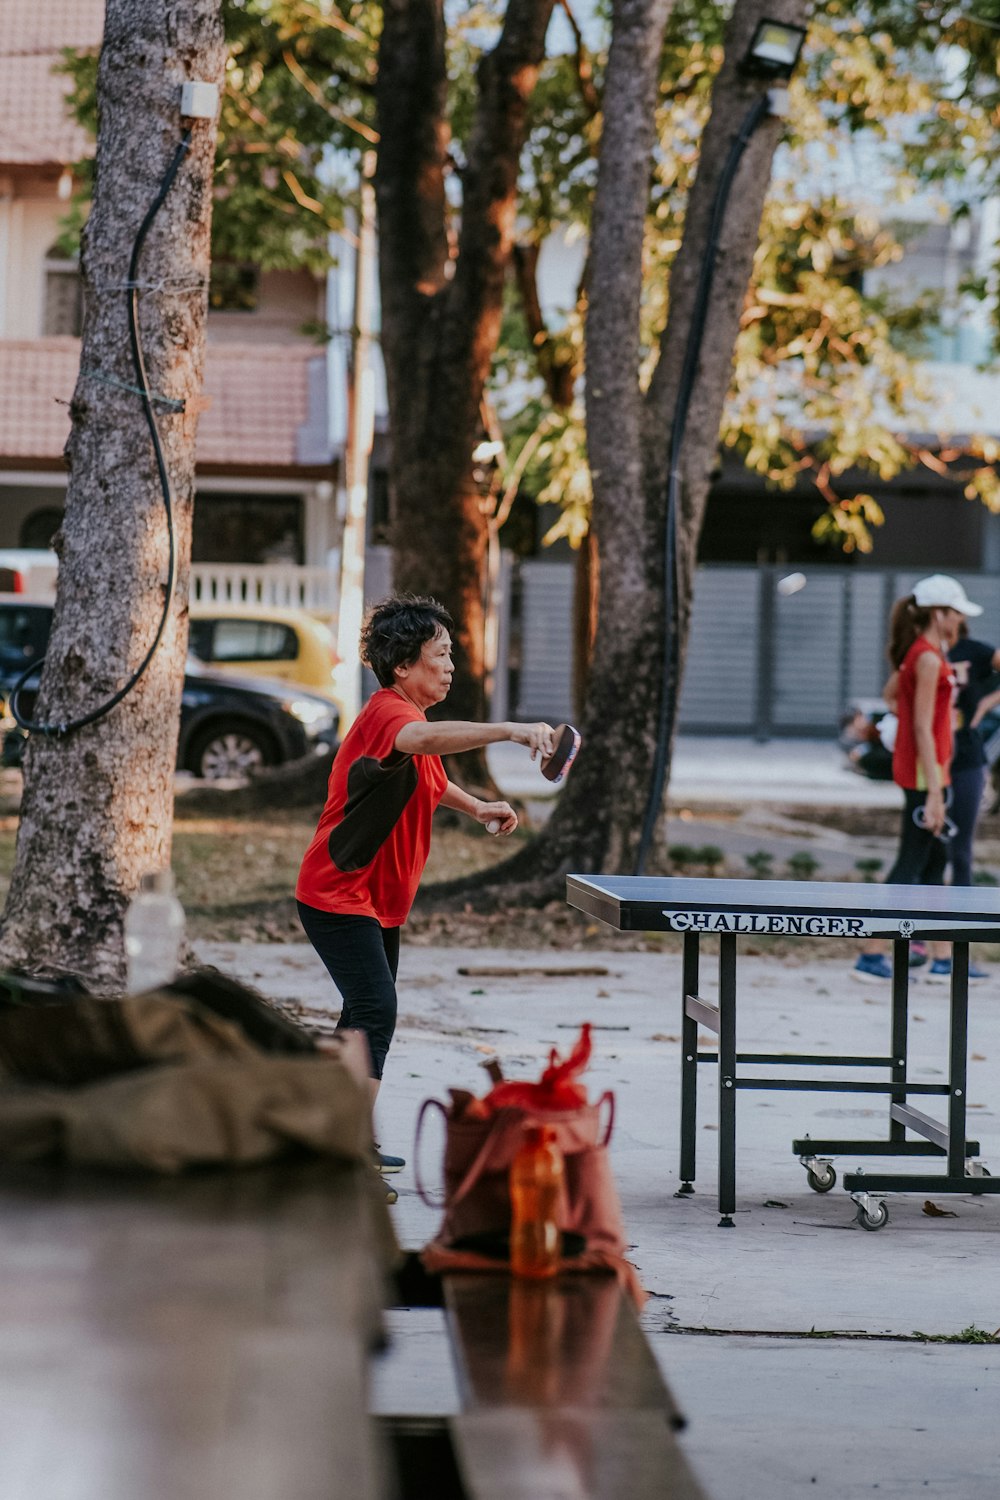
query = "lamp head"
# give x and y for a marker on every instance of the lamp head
(774, 49)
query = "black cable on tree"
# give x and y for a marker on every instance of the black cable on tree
(689, 370)
(57, 731)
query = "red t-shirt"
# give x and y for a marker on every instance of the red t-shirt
(371, 845)
(906, 769)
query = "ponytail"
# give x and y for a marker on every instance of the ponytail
(906, 622)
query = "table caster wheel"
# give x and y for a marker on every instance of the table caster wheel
(821, 1179)
(875, 1218)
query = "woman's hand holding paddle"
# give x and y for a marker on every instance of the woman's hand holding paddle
(539, 738)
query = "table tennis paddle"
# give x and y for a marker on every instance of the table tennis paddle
(556, 765)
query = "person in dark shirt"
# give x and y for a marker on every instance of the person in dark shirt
(976, 665)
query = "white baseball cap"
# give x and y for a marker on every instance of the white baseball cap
(941, 592)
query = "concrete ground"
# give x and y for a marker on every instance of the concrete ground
(787, 1340)
(732, 769)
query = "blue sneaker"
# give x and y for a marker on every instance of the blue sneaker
(918, 955)
(940, 973)
(871, 967)
(388, 1164)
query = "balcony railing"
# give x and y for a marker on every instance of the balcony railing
(283, 584)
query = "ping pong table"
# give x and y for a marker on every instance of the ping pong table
(731, 909)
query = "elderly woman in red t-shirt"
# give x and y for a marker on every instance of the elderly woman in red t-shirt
(923, 627)
(360, 873)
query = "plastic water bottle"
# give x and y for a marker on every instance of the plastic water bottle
(536, 1183)
(154, 932)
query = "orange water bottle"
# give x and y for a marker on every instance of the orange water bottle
(536, 1182)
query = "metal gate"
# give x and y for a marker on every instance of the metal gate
(771, 652)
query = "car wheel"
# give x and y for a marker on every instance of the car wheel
(231, 751)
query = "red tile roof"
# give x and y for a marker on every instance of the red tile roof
(35, 127)
(259, 402)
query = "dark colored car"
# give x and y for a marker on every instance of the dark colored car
(229, 725)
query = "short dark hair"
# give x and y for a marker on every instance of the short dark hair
(396, 630)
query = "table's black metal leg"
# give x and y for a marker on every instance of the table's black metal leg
(900, 995)
(957, 1063)
(727, 1080)
(689, 1066)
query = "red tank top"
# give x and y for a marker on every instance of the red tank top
(906, 768)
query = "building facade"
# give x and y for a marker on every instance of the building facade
(266, 465)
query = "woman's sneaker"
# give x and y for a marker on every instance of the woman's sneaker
(388, 1164)
(940, 973)
(871, 968)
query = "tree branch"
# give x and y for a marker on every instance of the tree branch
(584, 72)
(506, 78)
(559, 375)
(411, 94)
(317, 95)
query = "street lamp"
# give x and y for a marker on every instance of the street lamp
(772, 54)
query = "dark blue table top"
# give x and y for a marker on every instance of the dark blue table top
(806, 908)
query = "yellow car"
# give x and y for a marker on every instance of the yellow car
(265, 640)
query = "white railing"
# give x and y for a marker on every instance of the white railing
(282, 584)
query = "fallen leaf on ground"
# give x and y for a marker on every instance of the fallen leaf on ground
(933, 1212)
(661, 1036)
(978, 1057)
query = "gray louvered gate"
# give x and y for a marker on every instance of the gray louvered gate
(759, 661)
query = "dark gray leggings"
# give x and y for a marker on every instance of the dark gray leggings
(966, 800)
(362, 958)
(922, 857)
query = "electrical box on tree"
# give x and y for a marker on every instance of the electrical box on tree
(199, 101)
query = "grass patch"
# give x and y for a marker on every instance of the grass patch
(970, 1335)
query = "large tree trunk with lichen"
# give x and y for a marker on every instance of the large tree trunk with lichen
(97, 808)
(442, 305)
(598, 820)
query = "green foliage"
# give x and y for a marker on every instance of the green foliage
(983, 877)
(760, 864)
(818, 353)
(821, 350)
(868, 868)
(802, 865)
(299, 84)
(969, 1335)
(711, 856)
(682, 856)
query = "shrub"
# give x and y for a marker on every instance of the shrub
(868, 867)
(761, 863)
(682, 855)
(802, 865)
(711, 856)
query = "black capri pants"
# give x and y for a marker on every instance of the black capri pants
(922, 857)
(361, 957)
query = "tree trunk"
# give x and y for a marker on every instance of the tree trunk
(597, 822)
(442, 305)
(733, 97)
(97, 806)
(594, 820)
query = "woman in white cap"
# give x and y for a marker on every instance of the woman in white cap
(923, 628)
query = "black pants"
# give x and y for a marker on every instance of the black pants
(361, 958)
(966, 799)
(922, 857)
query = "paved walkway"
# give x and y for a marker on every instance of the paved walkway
(732, 770)
(787, 1340)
